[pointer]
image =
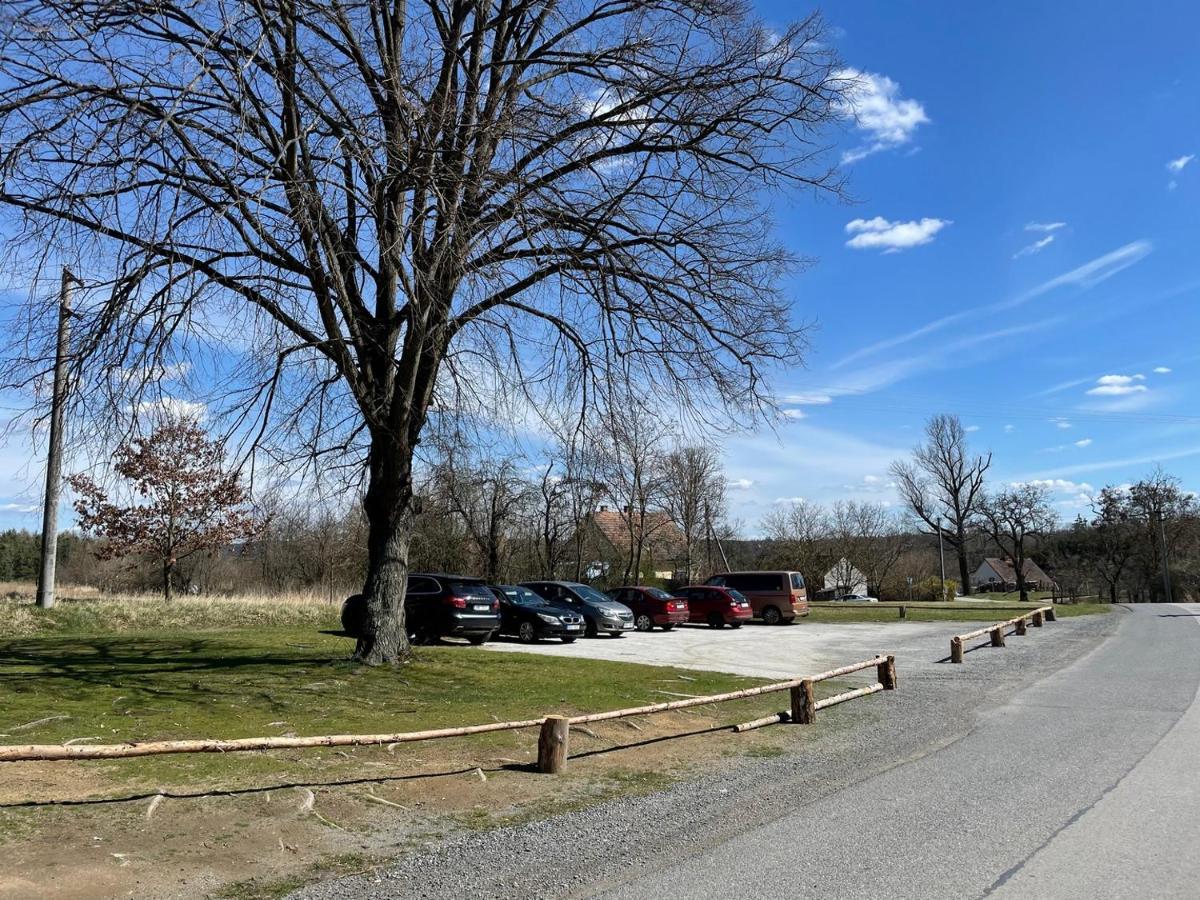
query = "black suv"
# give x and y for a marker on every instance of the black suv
(525, 615)
(437, 606)
(601, 614)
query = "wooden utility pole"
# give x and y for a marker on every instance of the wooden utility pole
(45, 590)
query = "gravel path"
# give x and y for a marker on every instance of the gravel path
(633, 846)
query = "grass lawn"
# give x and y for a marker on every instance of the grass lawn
(106, 672)
(958, 611)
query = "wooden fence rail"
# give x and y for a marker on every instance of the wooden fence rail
(553, 740)
(996, 630)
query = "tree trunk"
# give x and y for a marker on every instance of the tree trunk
(1112, 593)
(168, 577)
(964, 574)
(389, 509)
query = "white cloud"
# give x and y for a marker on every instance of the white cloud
(1162, 370)
(1058, 485)
(806, 399)
(1009, 429)
(793, 414)
(1086, 442)
(1035, 247)
(1060, 422)
(783, 500)
(173, 407)
(20, 507)
(971, 428)
(739, 484)
(1085, 277)
(892, 237)
(871, 479)
(1180, 163)
(1045, 226)
(875, 104)
(1118, 385)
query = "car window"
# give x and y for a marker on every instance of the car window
(420, 584)
(590, 594)
(718, 580)
(737, 595)
(658, 593)
(520, 596)
(797, 580)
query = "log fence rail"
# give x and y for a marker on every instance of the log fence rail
(996, 630)
(553, 738)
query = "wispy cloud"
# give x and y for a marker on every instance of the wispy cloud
(1083, 277)
(739, 484)
(971, 428)
(1161, 370)
(886, 119)
(1086, 442)
(1045, 226)
(1118, 385)
(806, 399)
(1180, 163)
(892, 237)
(1035, 247)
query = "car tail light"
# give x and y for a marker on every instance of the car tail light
(456, 602)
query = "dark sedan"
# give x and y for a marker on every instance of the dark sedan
(527, 616)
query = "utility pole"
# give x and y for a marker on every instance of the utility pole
(45, 590)
(941, 560)
(1166, 569)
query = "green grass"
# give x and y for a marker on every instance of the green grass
(272, 681)
(958, 611)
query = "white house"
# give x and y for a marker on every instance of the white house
(844, 578)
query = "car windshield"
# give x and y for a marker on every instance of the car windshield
(736, 595)
(519, 596)
(658, 594)
(590, 594)
(470, 590)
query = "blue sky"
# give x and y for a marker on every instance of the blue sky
(1023, 250)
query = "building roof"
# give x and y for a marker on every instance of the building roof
(659, 530)
(1008, 574)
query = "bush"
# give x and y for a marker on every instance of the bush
(935, 590)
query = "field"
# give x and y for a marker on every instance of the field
(252, 824)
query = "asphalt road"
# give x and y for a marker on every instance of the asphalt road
(1083, 785)
(1061, 766)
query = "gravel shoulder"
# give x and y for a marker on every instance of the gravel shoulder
(630, 841)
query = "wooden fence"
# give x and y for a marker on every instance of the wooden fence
(553, 741)
(902, 607)
(996, 630)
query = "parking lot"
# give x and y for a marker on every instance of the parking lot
(765, 651)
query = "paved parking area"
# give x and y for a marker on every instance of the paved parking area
(765, 651)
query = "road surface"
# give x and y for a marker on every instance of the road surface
(1061, 766)
(1083, 785)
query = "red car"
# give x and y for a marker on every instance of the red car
(717, 606)
(652, 606)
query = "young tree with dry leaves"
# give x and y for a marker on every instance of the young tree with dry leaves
(181, 501)
(1014, 515)
(392, 209)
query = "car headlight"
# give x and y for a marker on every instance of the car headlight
(553, 620)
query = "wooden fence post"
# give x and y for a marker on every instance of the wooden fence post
(553, 744)
(804, 703)
(956, 651)
(998, 636)
(1050, 614)
(1037, 618)
(887, 673)
(1021, 625)
(904, 612)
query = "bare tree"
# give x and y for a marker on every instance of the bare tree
(390, 207)
(633, 460)
(1013, 516)
(693, 495)
(869, 539)
(180, 500)
(800, 531)
(943, 486)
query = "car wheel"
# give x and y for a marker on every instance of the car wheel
(354, 615)
(735, 625)
(617, 634)
(667, 627)
(569, 640)
(477, 640)
(644, 623)
(589, 629)
(715, 621)
(771, 615)
(527, 634)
